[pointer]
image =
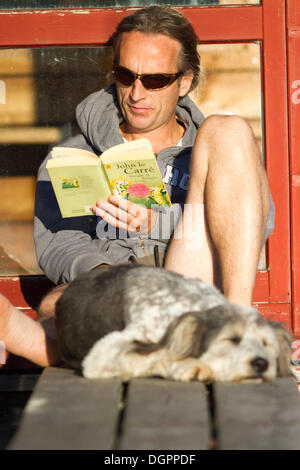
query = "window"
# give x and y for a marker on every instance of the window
(41, 90)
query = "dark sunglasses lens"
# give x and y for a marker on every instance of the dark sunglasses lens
(154, 82)
(149, 81)
(124, 76)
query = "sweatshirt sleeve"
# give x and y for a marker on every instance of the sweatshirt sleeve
(66, 247)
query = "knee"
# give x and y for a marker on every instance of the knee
(223, 125)
(228, 137)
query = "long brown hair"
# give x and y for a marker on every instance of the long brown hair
(162, 19)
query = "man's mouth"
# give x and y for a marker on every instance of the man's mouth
(139, 110)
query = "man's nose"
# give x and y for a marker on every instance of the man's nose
(138, 91)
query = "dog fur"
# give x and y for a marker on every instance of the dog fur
(138, 321)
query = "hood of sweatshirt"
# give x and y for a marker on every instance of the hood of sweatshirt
(99, 117)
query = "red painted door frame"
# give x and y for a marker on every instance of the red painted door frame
(293, 44)
(265, 23)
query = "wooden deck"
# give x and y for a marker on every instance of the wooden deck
(67, 412)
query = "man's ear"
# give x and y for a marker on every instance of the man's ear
(185, 82)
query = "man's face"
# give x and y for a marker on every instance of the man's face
(145, 110)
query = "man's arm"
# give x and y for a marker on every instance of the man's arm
(65, 248)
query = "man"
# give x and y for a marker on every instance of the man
(223, 227)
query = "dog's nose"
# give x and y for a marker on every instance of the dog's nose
(259, 364)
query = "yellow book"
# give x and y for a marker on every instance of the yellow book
(80, 178)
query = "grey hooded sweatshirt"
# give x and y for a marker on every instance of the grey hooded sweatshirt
(68, 247)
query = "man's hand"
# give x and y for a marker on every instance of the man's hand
(126, 215)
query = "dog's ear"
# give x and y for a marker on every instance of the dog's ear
(184, 336)
(284, 358)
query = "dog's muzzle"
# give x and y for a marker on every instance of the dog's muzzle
(259, 364)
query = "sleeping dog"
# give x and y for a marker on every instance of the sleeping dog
(138, 321)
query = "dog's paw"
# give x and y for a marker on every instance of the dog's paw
(205, 374)
(191, 369)
(93, 367)
(91, 371)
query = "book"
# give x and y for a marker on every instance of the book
(80, 178)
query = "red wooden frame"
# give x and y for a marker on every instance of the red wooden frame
(293, 43)
(248, 23)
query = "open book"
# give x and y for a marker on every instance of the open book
(80, 178)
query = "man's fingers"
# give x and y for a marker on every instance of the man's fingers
(114, 210)
(111, 219)
(124, 204)
(125, 214)
(132, 226)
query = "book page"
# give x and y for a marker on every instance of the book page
(78, 160)
(135, 150)
(78, 188)
(58, 152)
(139, 181)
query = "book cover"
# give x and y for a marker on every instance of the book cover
(80, 178)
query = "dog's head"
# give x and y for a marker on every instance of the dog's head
(235, 342)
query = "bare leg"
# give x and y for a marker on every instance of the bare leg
(25, 337)
(229, 181)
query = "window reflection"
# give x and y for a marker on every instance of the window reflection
(41, 88)
(39, 93)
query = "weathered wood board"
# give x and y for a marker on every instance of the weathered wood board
(68, 412)
(161, 414)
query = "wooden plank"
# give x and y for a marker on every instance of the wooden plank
(19, 101)
(229, 57)
(17, 198)
(276, 312)
(261, 288)
(68, 412)
(161, 414)
(258, 416)
(231, 92)
(95, 25)
(293, 8)
(29, 135)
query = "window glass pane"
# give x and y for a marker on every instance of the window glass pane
(231, 82)
(39, 90)
(39, 4)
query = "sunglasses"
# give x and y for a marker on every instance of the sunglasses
(150, 81)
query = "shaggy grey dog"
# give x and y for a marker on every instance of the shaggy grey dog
(132, 321)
